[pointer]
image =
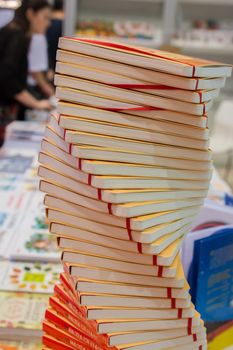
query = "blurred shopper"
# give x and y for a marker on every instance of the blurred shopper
(33, 16)
(55, 31)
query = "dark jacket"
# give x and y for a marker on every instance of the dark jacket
(14, 46)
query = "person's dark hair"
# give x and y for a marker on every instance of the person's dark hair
(20, 19)
(58, 5)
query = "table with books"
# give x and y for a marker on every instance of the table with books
(28, 253)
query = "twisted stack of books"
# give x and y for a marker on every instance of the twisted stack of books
(125, 166)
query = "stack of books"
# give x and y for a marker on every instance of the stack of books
(125, 166)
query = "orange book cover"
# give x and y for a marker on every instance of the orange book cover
(61, 308)
(77, 331)
(73, 309)
(67, 338)
(55, 344)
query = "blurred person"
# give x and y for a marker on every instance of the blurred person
(55, 31)
(33, 16)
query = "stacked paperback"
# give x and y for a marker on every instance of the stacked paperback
(125, 166)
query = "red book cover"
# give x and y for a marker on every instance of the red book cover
(78, 330)
(87, 326)
(54, 344)
(60, 307)
(64, 337)
(63, 293)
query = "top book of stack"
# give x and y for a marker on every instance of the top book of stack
(147, 58)
(133, 80)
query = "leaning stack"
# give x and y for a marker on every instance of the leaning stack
(125, 166)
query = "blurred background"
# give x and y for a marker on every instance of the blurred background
(199, 28)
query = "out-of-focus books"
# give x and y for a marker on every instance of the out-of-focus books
(221, 338)
(210, 272)
(117, 29)
(213, 214)
(36, 246)
(21, 314)
(29, 277)
(19, 345)
(29, 132)
(34, 242)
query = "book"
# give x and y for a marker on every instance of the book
(34, 244)
(188, 244)
(66, 304)
(139, 119)
(86, 258)
(145, 75)
(21, 314)
(29, 277)
(221, 337)
(115, 227)
(137, 223)
(112, 135)
(102, 274)
(169, 252)
(79, 329)
(136, 195)
(6, 237)
(88, 299)
(124, 210)
(184, 155)
(118, 182)
(20, 345)
(137, 325)
(105, 287)
(213, 257)
(118, 80)
(106, 309)
(79, 138)
(69, 339)
(160, 238)
(63, 307)
(15, 164)
(57, 148)
(110, 154)
(213, 214)
(74, 173)
(54, 344)
(151, 241)
(146, 58)
(114, 97)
